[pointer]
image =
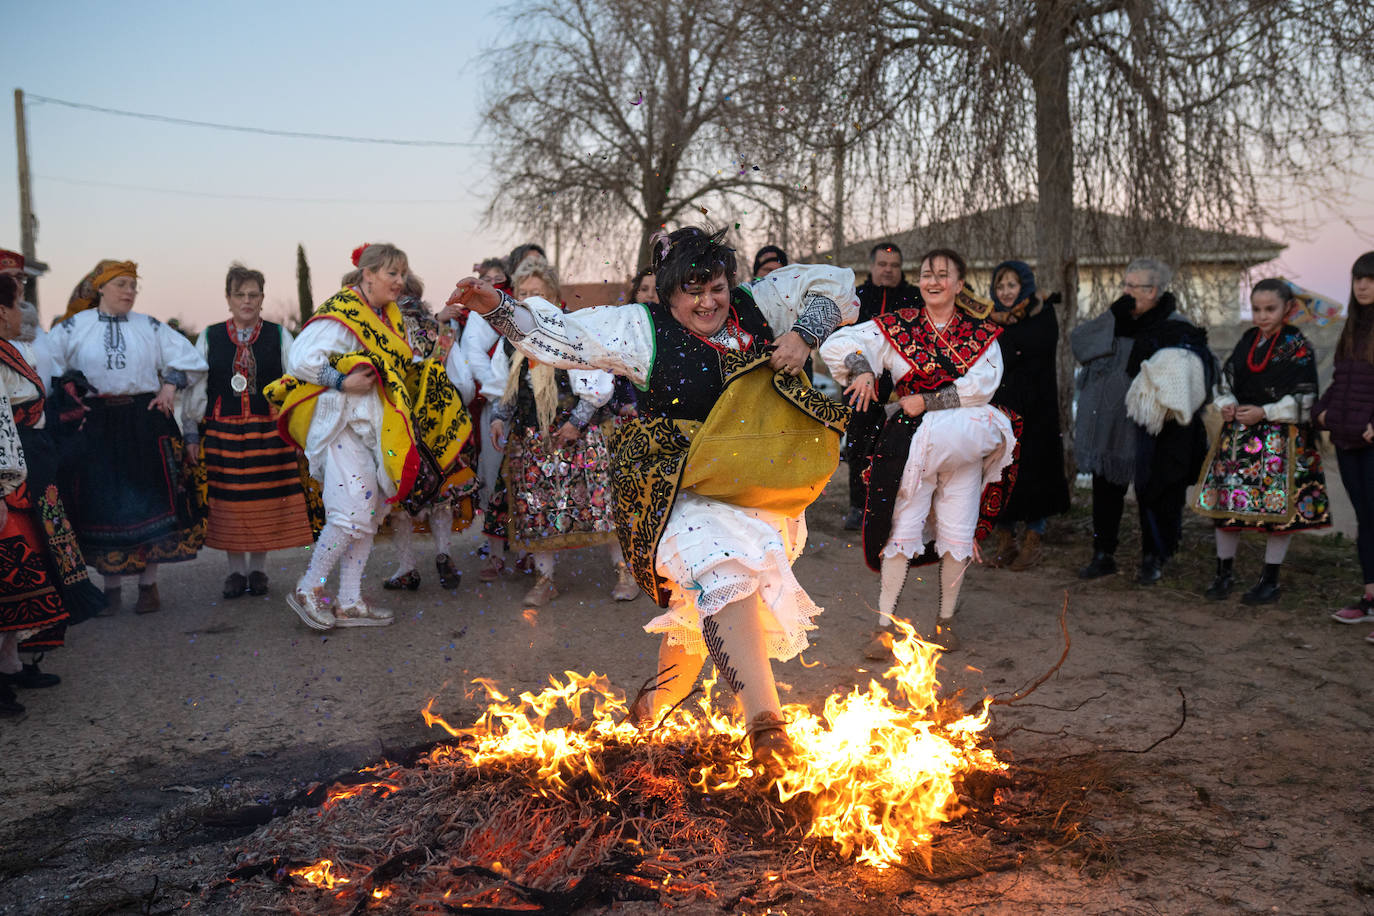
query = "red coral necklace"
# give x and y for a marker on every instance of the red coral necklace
(1268, 353)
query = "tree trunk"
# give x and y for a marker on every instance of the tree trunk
(837, 217)
(1056, 252)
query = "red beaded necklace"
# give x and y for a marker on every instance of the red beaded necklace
(1268, 353)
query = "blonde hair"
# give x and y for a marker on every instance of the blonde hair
(540, 269)
(376, 256)
(543, 382)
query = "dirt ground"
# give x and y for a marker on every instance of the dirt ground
(1263, 801)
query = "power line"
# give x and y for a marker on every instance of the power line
(182, 192)
(296, 134)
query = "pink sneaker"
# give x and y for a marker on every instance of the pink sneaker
(1360, 612)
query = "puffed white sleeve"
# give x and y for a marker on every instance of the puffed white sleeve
(194, 398)
(13, 469)
(460, 373)
(476, 345)
(59, 347)
(287, 339)
(977, 386)
(592, 386)
(178, 358)
(861, 348)
(616, 338)
(308, 359)
(812, 298)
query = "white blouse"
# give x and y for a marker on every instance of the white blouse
(126, 357)
(479, 346)
(620, 338)
(976, 386)
(13, 470)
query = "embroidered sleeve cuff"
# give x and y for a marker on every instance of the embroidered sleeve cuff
(331, 378)
(502, 410)
(176, 378)
(944, 399)
(581, 415)
(502, 318)
(856, 364)
(819, 317)
(191, 437)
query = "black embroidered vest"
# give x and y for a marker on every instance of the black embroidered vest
(686, 378)
(221, 348)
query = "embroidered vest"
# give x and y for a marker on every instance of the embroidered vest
(687, 376)
(221, 345)
(936, 358)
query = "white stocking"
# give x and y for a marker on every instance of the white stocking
(351, 569)
(894, 573)
(403, 529)
(951, 579)
(149, 575)
(734, 638)
(238, 562)
(1276, 548)
(257, 561)
(441, 525)
(332, 543)
(682, 668)
(1227, 542)
(544, 561)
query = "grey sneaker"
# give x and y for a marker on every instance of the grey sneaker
(310, 607)
(363, 615)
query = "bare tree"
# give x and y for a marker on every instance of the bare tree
(1209, 112)
(609, 114)
(305, 301)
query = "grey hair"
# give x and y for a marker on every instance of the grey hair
(30, 318)
(536, 267)
(1160, 273)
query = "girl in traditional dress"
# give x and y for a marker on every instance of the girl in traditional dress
(1264, 472)
(1029, 388)
(712, 539)
(451, 508)
(255, 496)
(43, 583)
(554, 490)
(478, 346)
(940, 458)
(1346, 410)
(376, 426)
(134, 503)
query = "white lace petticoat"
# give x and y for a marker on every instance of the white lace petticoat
(714, 553)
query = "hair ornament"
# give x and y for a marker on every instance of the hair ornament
(358, 253)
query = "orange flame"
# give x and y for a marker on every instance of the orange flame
(320, 874)
(339, 793)
(878, 766)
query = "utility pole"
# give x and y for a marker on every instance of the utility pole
(25, 198)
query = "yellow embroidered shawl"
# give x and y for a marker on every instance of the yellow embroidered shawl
(422, 411)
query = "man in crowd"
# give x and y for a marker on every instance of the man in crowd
(886, 290)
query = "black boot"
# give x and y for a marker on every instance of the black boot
(1151, 570)
(1225, 581)
(9, 703)
(1102, 564)
(1266, 590)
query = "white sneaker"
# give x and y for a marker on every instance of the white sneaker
(363, 615)
(309, 606)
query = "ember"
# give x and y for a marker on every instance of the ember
(552, 800)
(876, 767)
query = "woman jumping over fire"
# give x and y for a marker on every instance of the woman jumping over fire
(729, 447)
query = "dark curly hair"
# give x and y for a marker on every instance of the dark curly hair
(632, 293)
(691, 255)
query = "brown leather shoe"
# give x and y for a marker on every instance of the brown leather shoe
(769, 747)
(879, 648)
(148, 600)
(1003, 551)
(1031, 553)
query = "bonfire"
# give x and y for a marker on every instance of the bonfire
(554, 799)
